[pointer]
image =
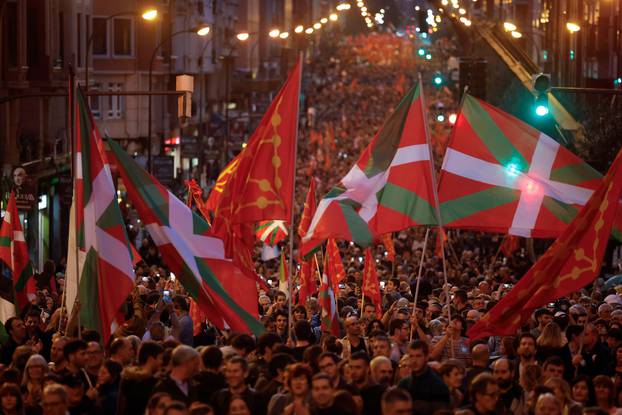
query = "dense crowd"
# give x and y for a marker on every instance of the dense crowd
(414, 358)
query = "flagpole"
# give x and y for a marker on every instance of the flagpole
(291, 222)
(74, 170)
(425, 246)
(439, 219)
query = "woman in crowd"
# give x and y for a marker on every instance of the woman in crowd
(32, 381)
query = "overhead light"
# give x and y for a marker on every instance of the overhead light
(573, 27)
(509, 26)
(333, 17)
(363, 9)
(243, 36)
(150, 14)
(203, 31)
(299, 29)
(317, 26)
(309, 30)
(323, 20)
(274, 33)
(284, 35)
(516, 35)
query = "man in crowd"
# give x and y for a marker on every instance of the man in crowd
(426, 388)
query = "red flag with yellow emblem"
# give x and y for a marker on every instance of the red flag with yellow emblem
(262, 184)
(387, 241)
(214, 196)
(371, 287)
(335, 265)
(573, 261)
(309, 209)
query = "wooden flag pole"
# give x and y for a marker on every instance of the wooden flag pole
(438, 211)
(291, 222)
(425, 246)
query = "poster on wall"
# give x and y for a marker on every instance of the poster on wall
(25, 189)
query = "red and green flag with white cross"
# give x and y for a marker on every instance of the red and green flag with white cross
(105, 274)
(16, 283)
(390, 188)
(501, 175)
(222, 291)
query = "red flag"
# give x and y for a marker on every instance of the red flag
(262, 185)
(214, 196)
(510, 244)
(387, 241)
(307, 280)
(14, 254)
(309, 209)
(195, 194)
(335, 266)
(330, 137)
(371, 288)
(328, 303)
(573, 261)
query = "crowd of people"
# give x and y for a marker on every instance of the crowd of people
(414, 358)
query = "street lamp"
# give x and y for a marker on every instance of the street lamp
(274, 33)
(573, 27)
(149, 15)
(202, 30)
(299, 29)
(516, 34)
(509, 26)
(243, 36)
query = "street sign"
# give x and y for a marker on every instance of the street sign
(164, 169)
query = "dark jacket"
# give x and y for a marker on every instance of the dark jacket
(427, 390)
(169, 386)
(222, 398)
(134, 392)
(208, 383)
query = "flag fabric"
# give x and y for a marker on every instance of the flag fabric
(195, 194)
(335, 265)
(502, 175)
(283, 275)
(308, 284)
(222, 291)
(17, 286)
(509, 245)
(214, 195)
(309, 209)
(328, 305)
(573, 261)
(105, 274)
(330, 137)
(271, 232)
(387, 241)
(371, 287)
(262, 185)
(390, 188)
(197, 316)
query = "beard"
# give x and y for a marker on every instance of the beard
(505, 383)
(526, 355)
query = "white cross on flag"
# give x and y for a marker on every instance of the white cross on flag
(501, 175)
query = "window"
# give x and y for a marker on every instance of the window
(116, 103)
(100, 36)
(122, 31)
(95, 102)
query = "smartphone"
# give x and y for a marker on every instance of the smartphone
(166, 296)
(382, 283)
(506, 285)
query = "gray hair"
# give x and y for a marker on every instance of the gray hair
(181, 354)
(56, 389)
(378, 360)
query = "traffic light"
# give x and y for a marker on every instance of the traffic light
(421, 52)
(542, 86)
(437, 79)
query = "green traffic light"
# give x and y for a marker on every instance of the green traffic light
(542, 110)
(421, 52)
(438, 80)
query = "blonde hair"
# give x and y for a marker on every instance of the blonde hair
(551, 336)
